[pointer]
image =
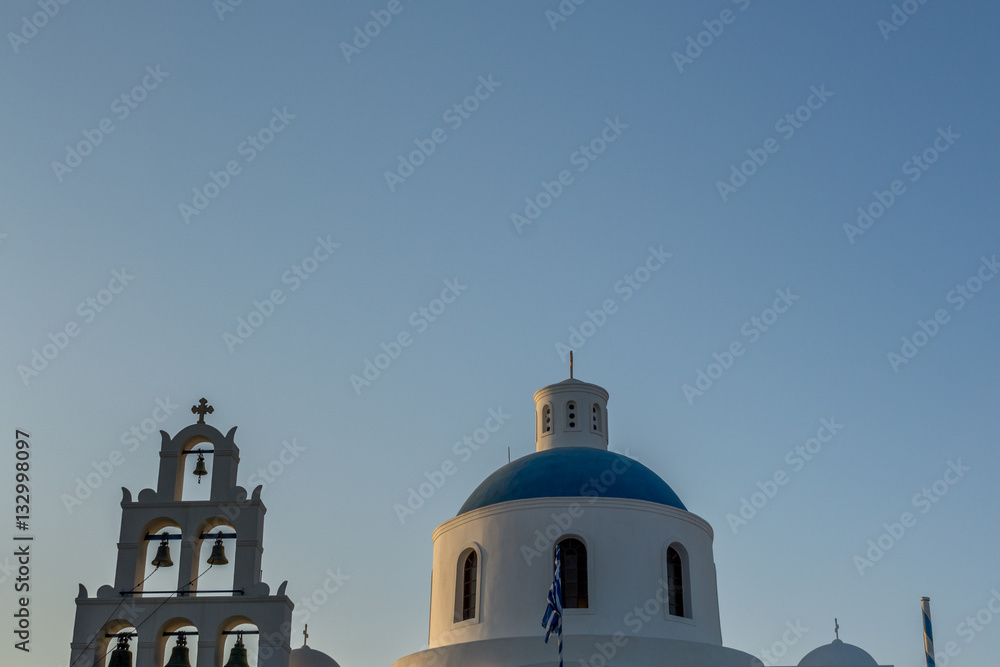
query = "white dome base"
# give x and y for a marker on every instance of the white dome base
(596, 650)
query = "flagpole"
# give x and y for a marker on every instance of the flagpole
(552, 620)
(925, 609)
(558, 584)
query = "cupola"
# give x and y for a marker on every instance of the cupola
(571, 413)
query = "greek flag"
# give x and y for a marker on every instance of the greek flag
(552, 621)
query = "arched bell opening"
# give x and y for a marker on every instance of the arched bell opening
(240, 633)
(195, 466)
(115, 645)
(216, 546)
(177, 644)
(158, 557)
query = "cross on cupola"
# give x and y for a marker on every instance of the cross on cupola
(202, 409)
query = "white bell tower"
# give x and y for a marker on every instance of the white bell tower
(238, 516)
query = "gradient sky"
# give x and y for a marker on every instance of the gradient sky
(889, 96)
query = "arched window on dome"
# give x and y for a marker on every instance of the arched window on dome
(468, 580)
(547, 419)
(571, 416)
(595, 418)
(470, 576)
(676, 593)
(574, 581)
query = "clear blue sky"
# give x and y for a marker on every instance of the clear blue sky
(329, 122)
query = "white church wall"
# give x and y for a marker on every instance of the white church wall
(626, 544)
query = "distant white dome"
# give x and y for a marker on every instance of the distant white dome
(838, 654)
(307, 657)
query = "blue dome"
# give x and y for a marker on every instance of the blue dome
(568, 472)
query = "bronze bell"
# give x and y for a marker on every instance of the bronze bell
(218, 556)
(179, 656)
(121, 656)
(238, 656)
(199, 468)
(163, 554)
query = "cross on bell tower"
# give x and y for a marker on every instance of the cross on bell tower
(202, 409)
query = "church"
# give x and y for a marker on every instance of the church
(629, 569)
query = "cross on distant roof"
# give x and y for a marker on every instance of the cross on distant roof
(836, 628)
(305, 632)
(202, 409)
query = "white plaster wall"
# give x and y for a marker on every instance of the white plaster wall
(626, 545)
(581, 651)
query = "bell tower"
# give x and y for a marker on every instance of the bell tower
(187, 536)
